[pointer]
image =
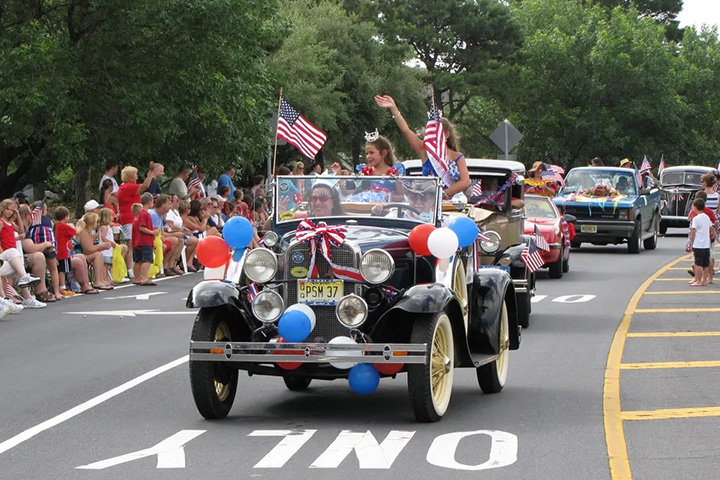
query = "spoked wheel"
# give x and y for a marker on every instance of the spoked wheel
(296, 384)
(430, 386)
(213, 384)
(492, 376)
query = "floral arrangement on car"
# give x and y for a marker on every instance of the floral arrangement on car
(601, 189)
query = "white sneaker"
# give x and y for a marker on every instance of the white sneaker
(14, 307)
(4, 311)
(33, 302)
(28, 280)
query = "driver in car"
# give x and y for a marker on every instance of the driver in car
(421, 202)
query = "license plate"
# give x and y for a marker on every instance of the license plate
(504, 268)
(588, 228)
(320, 292)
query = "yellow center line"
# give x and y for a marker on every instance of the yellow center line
(685, 292)
(661, 365)
(676, 310)
(668, 413)
(614, 432)
(672, 334)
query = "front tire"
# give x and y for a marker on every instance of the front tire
(430, 386)
(634, 240)
(556, 268)
(566, 265)
(296, 384)
(213, 384)
(651, 243)
(492, 376)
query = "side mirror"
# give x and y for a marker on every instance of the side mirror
(644, 191)
(570, 218)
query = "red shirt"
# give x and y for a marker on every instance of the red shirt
(63, 235)
(7, 235)
(127, 194)
(708, 212)
(140, 239)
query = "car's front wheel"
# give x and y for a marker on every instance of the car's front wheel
(430, 386)
(213, 384)
(556, 268)
(492, 376)
(651, 242)
(634, 240)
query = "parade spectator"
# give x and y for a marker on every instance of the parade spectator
(76, 264)
(210, 209)
(143, 239)
(92, 206)
(197, 220)
(34, 256)
(105, 234)
(708, 182)
(174, 219)
(172, 240)
(93, 251)
(111, 169)
(701, 233)
(258, 188)
(260, 216)
(227, 179)
(202, 189)
(154, 188)
(299, 169)
(107, 198)
(20, 198)
(39, 230)
(178, 185)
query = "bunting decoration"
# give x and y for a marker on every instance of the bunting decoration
(325, 237)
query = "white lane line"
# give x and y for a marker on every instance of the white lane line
(139, 296)
(58, 419)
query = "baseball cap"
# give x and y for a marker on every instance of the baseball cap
(20, 195)
(91, 205)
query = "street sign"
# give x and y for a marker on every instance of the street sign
(506, 136)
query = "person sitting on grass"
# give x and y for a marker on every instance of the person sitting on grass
(143, 239)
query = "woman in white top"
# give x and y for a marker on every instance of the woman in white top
(708, 182)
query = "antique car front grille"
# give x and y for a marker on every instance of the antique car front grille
(679, 202)
(589, 212)
(327, 325)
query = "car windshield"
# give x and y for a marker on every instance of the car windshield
(681, 178)
(408, 198)
(539, 207)
(587, 179)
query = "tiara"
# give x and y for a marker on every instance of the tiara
(372, 136)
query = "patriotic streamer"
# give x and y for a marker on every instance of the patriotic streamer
(326, 237)
(499, 192)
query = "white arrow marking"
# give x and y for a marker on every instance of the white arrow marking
(292, 441)
(132, 313)
(141, 296)
(503, 450)
(537, 298)
(170, 453)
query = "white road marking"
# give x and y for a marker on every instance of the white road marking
(58, 419)
(292, 441)
(573, 298)
(537, 298)
(170, 453)
(140, 296)
(503, 450)
(367, 450)
(132, 313)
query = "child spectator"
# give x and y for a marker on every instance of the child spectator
(143, 238)
(77, 264)
(93, 252)
(701, 230)
(40, 231)
(241, 207)
(105, 234)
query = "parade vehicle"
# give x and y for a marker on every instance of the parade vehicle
(610, 207)
(678, 187)
(497, 191)
(542, 213)
(357, 279)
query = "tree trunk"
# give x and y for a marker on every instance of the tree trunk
(82, 181)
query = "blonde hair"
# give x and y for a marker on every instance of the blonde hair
(105, 217)
(136, 208)
(300, 166)
(91, 220)
(5, 204)
(128, 173)
(381, 144)
(451, 134)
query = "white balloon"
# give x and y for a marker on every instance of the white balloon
(342, 353)
(306, 310)
(216, 273)
(442, 242)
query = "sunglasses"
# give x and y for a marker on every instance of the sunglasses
(320, 198)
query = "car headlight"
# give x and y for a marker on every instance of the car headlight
(624, 214)
(270, 239)
(492, 244)
(267, 306)
(260, 265)
(504, 261)
(351, 311)
(377, 266)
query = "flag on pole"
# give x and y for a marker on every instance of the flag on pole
(552, 175)
(661, 167)
(531, 256)
(476, 189)
(638, 175)
(435, 143)
(540, 240)
(194, 179)
(298, 131)
(645, 167)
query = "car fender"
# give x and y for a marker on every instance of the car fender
(490, 288)
(213, 293)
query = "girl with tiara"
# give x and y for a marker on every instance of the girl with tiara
(458, 171)
(380, 159)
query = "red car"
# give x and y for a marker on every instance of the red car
(541, 211)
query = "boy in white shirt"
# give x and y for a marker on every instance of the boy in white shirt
(700, 231)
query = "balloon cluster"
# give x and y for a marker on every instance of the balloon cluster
(443, 242)
(214, 252)
(296, 323)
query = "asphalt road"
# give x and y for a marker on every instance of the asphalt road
(84, 395)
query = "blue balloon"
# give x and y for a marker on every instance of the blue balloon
(238, 232)
(465, 229)
(238, 253)
(294, 326)
(364, 378)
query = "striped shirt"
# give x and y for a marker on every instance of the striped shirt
(712, 201)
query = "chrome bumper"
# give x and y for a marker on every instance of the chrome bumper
(263, 352)
(521, 286)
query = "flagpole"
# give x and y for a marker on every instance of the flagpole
(276, 142)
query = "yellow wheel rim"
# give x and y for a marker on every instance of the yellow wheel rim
(502, 361)
(441, 364)
(461, 288)
(222, 333)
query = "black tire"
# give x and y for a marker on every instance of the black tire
(492, 376)
(566, 265)
(651, 243)
(295, 383)
(524, 307)
(663, 229)
(575, 244)
(555, 269)
(213, 384)
(634, 240)
(430, 399)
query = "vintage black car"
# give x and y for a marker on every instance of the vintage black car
(350, 259)
(678, 188)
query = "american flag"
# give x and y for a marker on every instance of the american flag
(531, 256)
(540, 240)
(435, 143)
(194, 180)
(476, 189)
(253, 290)
(638, 176)
(645, 167)
(36, 214)
(298, 131)
(661, 167)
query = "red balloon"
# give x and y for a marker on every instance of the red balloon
(288, 365)
(213, 252)
(388, 368)
(418, 239)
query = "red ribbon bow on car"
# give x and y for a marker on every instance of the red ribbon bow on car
(326, 237)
